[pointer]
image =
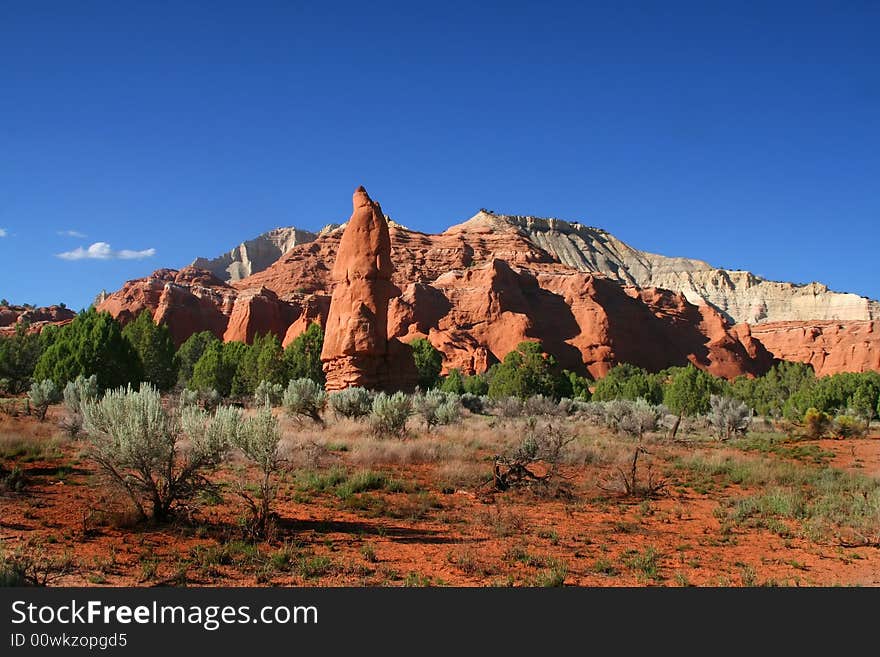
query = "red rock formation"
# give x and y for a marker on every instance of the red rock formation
(589, 323)
(35, 318)
(357, 351)
(258, 312)
(829, 346)
(475, 292)
(187, 301)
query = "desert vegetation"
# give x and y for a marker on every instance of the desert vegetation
(229, 463)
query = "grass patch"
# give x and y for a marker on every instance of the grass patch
(785, 447)
(646, 563)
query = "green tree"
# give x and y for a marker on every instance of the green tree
(270, 360)
(261, 361)
(302, 357)
(19, 354)
(190, 352)
(690, 389)
(91, 344)
(476, 384)
(865, 399)
(625, 381)
(155, 348)
(453, 382)
(216, 369)
(528, 371)
(580, 385)
(429, 362)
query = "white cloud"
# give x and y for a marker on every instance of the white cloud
(71, 233)
(3, 232)
(102, 251)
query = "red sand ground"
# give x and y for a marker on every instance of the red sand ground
(430, 537)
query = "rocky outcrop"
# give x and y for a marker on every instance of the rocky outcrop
(35, 318)
(479, 288)
(254, 255)
(357, 350)
(739, 295)
(588, 322)
(830, 347)
(187, 301)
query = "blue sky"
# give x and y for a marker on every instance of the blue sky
(744, 134)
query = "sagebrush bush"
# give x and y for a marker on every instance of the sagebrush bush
(141, 446)
(639, 417)
(390, 413)
(539, 405)
(268, 393)
(42, 395)
(427, 404)
(508, 407)
(352, 403)
(260, 440)
(305, 398)
(76, 392)
(474, 403)
(449, 412)
(80, 390)
(728, 416)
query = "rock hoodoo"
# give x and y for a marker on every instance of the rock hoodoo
(357, 351)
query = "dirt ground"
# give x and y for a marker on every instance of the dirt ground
(431, 519)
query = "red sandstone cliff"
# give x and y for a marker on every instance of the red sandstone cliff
(475, 291)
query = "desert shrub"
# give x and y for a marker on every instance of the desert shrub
(13, 481)
(305, 398)
(847, 426)
(593, 412)
(507, 407)
(206, 399)
(42, 395)
(268, 393)
(260, 440)
(449, 412)
(141, 447)
(436, 407)
(615, 412)
(638, 418)
(390, 413)
(816, 423)
(302, 357)
(428, 361)
(76, 392)
(471, 402)
(543, 441)
(80, 390)
(540, 405)
(92, 343)
(728, 416)
(353, 403)
(155, 348)
(188, 397)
